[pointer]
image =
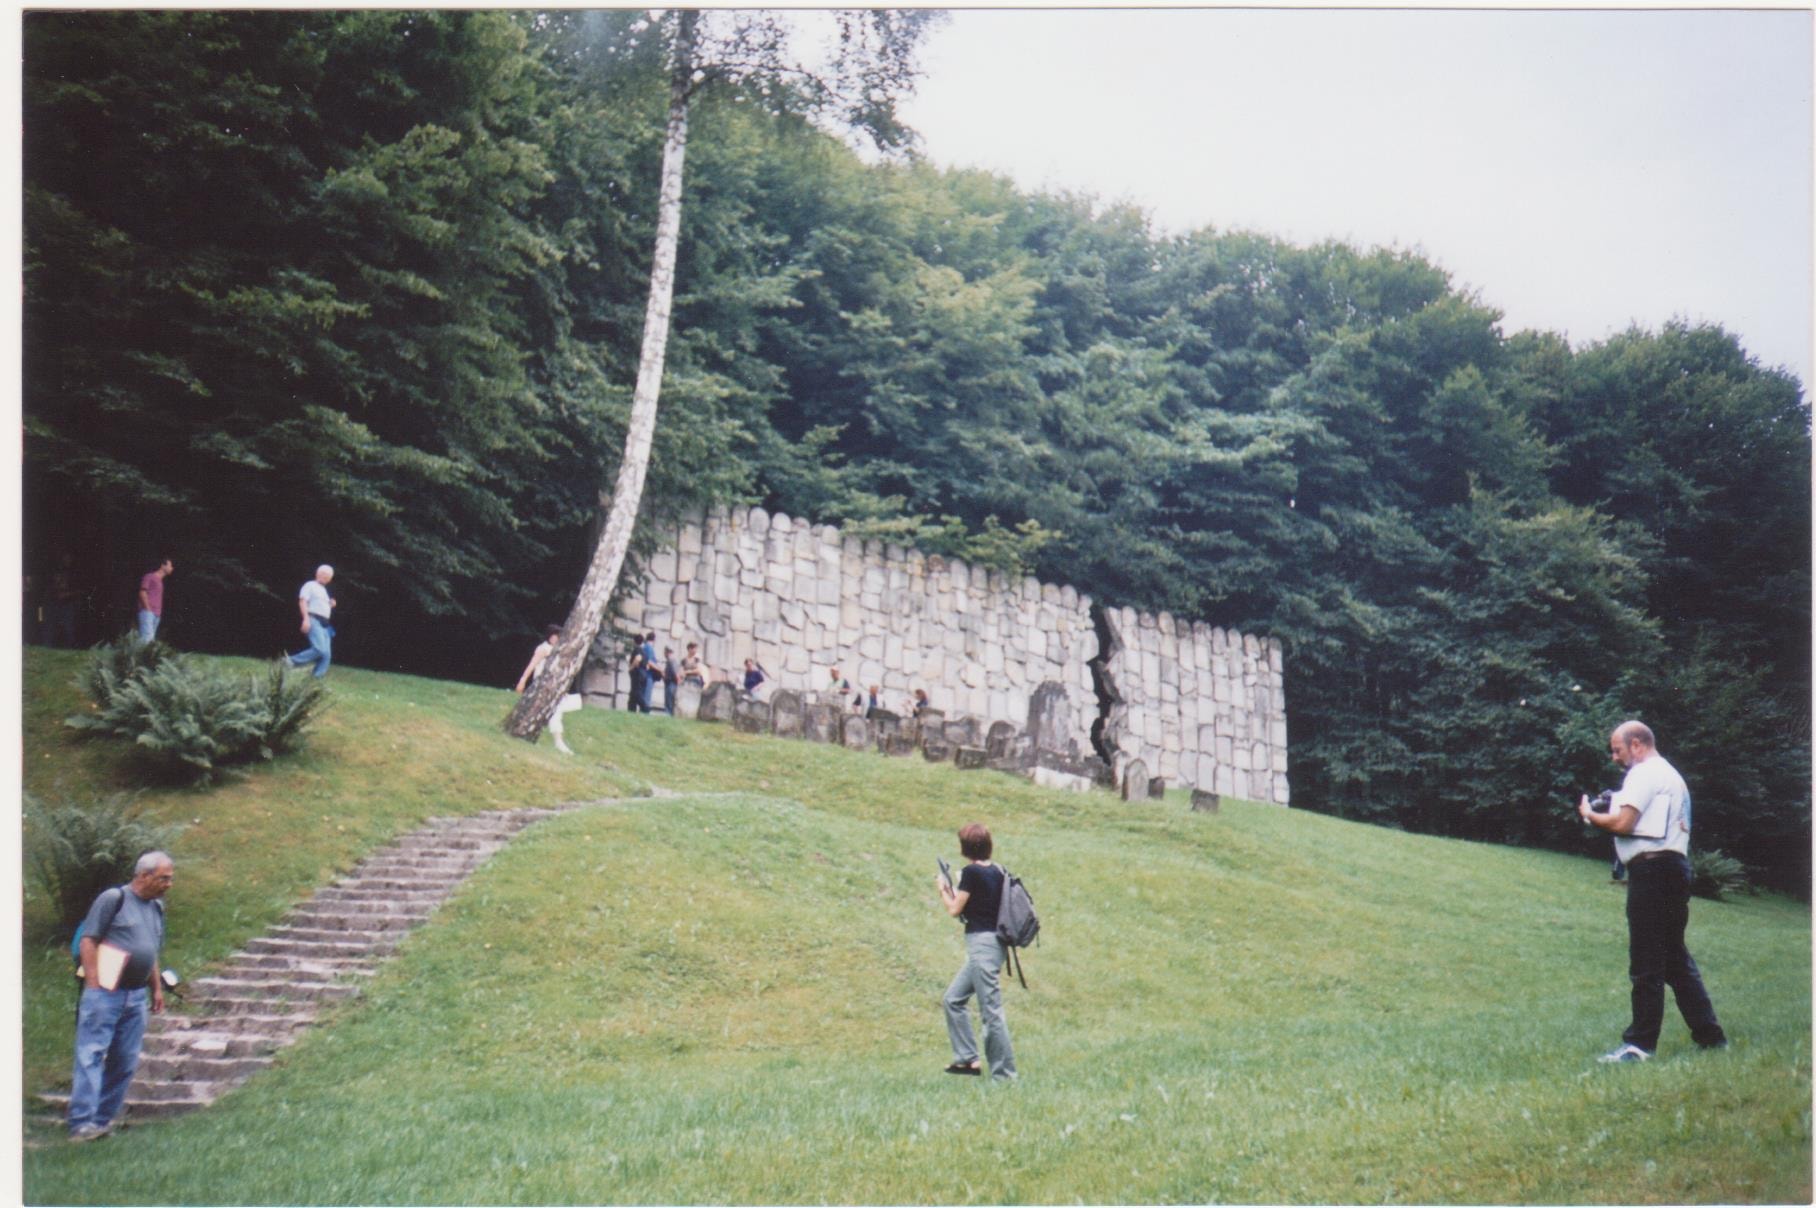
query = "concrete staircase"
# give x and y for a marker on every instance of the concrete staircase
(266, 994)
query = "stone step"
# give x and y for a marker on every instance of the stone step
(439, 882)
(446, 845)
(216, 989)
(137, 1108)
(205, 1042)
(413, 861)
(329, 919)
(302, 968)
(414, 895)
(226, 1006)
(197, 1068)
(366, 943)
(414, 908)
(295, 949)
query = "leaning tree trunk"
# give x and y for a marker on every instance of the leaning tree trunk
(538, 703)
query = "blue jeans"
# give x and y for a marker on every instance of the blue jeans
(110, 1025)
(320, 652)
(980, 976)
(148, 625)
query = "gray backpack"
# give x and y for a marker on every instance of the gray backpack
(1017, 926)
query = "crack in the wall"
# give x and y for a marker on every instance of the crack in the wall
(1106, 730)
(1193, 702)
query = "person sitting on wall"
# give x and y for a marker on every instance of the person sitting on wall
(693, 671)
(754, 676)
(837, 683)
(919, 703)
(875, 702)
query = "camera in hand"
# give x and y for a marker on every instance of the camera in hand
(1602, 802)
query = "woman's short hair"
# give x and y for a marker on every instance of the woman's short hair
(974, 841)
(551, 632)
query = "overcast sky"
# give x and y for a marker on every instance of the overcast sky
(1580, 171)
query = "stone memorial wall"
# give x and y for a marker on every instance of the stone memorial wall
(1128, 693)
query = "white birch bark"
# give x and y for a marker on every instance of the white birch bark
(538, 703)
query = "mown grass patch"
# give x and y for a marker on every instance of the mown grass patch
(389, 752)
(734, 999)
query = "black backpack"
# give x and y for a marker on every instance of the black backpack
(1017, 926)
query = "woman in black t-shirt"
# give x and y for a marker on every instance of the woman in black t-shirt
(976, 898)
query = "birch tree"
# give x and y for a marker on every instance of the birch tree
(751, 53)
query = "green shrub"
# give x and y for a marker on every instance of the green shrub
(76, 851)
(112, 665)
(290, 704)
(1715, 874)
(193, 717)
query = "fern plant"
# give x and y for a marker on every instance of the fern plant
(108, 671)
(192, 717)
(195, 716)
(291, 703)
(76, 851)
(1714, 874)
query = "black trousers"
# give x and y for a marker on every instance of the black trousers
(1658, 910)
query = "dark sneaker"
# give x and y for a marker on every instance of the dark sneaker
(956, 1068)
(1627, 1052)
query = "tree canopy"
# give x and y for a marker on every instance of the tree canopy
(366, 287)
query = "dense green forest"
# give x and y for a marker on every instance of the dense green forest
(367, 287)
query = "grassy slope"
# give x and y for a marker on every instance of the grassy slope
(732, 997)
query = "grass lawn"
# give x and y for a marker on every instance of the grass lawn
(732, 996)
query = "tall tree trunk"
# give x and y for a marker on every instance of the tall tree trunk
(538, 703)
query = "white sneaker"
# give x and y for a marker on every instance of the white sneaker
(1627, 1052)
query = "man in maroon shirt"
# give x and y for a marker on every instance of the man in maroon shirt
(151, 599)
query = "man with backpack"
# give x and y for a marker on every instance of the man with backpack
(977, 898)
(119, 946)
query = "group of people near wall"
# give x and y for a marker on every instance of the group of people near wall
(647, 670)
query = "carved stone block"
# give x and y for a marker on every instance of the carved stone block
(752, 717)
(785, 713)
(719, 702)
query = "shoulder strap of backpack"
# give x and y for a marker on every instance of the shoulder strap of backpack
(107, 920)
(1018, 966)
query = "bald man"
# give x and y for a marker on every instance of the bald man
(317, 609)
(126, 923)
(1650, 820)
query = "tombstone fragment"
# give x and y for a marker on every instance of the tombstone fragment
(970, 759)
(785, 713)
(1204, 802)
(820, 723)
(719, 702)
(752, 717)
(1134, 780)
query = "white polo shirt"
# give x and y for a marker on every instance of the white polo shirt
(315, 598)
(1654, 788)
